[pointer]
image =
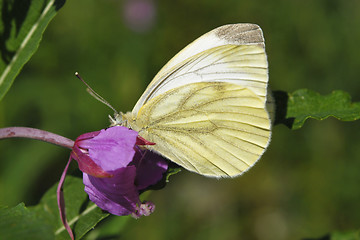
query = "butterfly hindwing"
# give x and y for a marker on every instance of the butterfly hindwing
(215, 129)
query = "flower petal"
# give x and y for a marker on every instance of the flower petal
(149, 168)
(87, 135)
(117, 195)
(112, 148)
(142, 141)
(87, 165)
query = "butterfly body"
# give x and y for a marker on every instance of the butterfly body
(206, 108)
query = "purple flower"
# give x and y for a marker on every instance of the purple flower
(115, 169)
(139, 15)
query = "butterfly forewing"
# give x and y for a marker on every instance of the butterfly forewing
(231, 53)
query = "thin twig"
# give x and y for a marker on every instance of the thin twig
(33, 133)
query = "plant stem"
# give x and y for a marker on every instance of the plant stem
(33, 133)
(61, 200)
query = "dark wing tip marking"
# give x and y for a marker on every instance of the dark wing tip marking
(241, 33)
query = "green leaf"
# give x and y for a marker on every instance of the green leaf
(43, 221)
(82, 214)
(110, 228)
(172, 171)
(294, 108)
(21, 28)
(21, 223)
(348, 235)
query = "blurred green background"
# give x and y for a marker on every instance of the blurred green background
(305, 186)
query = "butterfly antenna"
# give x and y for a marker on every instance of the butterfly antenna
(95, 94)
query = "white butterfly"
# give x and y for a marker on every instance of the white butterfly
(206, 108)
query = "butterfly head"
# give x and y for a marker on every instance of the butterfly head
(120, 119)
(117, 120)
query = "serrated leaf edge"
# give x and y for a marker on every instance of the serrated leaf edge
(301, 122)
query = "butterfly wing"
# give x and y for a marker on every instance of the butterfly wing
(206, 109)
(231, 53)
(215, 129)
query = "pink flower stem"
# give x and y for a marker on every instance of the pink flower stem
(33, 133)
(61, 200)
